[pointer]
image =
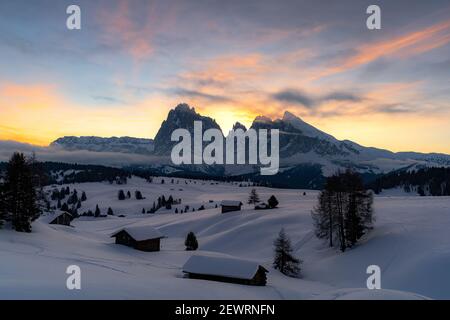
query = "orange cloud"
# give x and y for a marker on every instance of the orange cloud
(27, 97)
(123, 27)
(228, 68)
(412, 43)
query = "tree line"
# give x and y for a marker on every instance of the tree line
(425, 181)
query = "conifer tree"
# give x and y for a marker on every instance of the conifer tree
(159, 203)
(253, 198)
(62, 193)
(65, 207)
(138, 195)
(272, 202)
(19, 194)
(191, 242)
(121, 195)
(284, 259)
(97, 211)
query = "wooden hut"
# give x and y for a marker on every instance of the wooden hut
(63, 218)
(230, 205)
(144, 238)
(225, 269)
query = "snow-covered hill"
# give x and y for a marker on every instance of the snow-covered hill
(410, 243)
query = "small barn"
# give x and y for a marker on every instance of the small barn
(143, 238)
(63, 218)
(225, 269)
(230, 205)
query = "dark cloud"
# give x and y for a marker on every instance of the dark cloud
(197, 94)
(301, 98)
(341, 96)
(107, 99)
(376, 68)
(295, 97)
(395, 108)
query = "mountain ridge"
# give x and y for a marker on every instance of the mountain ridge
(301, 144)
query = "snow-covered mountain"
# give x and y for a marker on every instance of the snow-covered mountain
(113, 144)
(307, 154)
(301, 143)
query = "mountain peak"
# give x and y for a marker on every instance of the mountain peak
(182, 117)
(306, 128)
(289, 116)
(239, 125)
(184, 107)
(262, 119)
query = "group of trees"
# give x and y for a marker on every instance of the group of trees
(98, 213)
(21, 196)
(343, 215)
(253, 198)
(163, 202)
(137, 194)
(65, 173)
(344, 211)
(426, 181)
(73, 202)
(188, 208)
(73, 197)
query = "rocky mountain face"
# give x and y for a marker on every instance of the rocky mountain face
(182, 117)
(307, 154)
(295, 138)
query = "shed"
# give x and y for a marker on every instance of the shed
(230, 205)
(225, 269)
(144, 238)
(63, 218)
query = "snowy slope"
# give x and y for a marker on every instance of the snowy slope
(410, 243)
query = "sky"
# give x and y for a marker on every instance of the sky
(132, 61)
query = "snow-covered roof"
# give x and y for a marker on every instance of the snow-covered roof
(141, 233)
(233, 203)
(221, 266)
(52, 216)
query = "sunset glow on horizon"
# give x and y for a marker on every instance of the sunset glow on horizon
(133, 61)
